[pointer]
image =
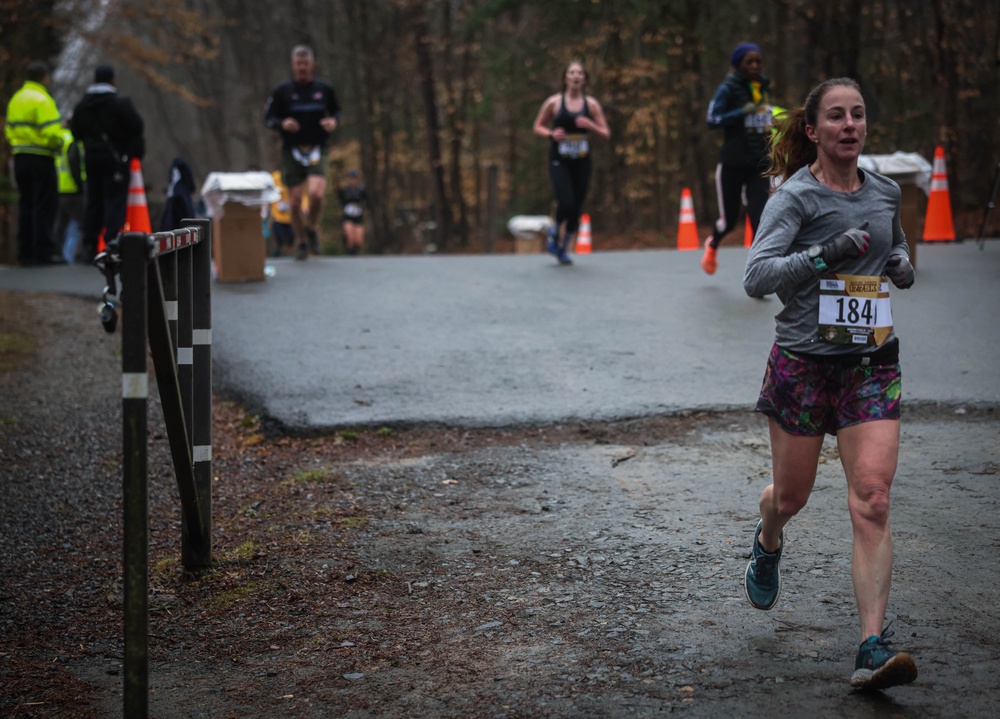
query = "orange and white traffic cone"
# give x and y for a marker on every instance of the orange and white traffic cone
(748, 234)
(137, 212)
(687, 230)
(583, 240)
(938, 221)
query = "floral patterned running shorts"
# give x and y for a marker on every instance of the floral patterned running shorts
(811, 398)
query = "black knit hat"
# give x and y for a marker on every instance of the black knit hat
(104, 73)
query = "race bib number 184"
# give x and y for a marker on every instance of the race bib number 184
(854, 309)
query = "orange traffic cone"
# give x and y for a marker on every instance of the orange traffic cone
(583, 241)
(687, 231)
(137, 212)
(938, 223)
(748, 234)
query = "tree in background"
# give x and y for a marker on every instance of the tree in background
(436, 92)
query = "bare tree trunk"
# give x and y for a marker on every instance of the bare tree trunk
(458, 105)
(364, 90)
(425, 64)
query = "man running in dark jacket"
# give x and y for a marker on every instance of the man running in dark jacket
(112, 134)
(306, 112)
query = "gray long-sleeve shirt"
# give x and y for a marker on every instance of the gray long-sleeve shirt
(804, 212)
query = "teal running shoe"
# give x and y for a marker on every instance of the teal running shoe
(763, 580)
(879, 667)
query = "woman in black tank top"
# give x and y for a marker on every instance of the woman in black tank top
(569, 119)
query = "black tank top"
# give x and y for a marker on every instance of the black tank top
(577, 143)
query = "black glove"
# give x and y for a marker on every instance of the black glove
(900, 271)
(852, 243)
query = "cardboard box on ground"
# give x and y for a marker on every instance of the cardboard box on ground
(234, 201)
(238, 245)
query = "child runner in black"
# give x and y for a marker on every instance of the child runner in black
(353, 199)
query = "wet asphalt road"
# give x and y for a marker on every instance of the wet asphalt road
(646, 555)
(505, 340)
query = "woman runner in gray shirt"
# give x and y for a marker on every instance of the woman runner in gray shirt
(829, 241)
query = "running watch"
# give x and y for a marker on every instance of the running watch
(815, 253)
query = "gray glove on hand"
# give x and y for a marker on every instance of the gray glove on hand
(750, 108)
(900, 271)
(852, 243)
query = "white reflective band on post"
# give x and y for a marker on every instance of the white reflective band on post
(171, 306)
(135, 385)
(938, 184)
(185, 355)
(202, 453)
(202, 337)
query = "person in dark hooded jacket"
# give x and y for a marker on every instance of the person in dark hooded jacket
(112, 134)
(179, 204)
(742, 108)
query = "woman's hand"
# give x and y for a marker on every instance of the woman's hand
(900, 271)
(852, 243)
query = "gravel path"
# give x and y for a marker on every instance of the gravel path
(565, 571)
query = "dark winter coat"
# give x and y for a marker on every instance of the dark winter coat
(108, 125)
(746, 141)
(179, 204)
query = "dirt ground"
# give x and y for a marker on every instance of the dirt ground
(559, 571)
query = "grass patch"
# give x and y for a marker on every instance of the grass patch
(230, 597)
(17, 343)
(353, 522)
(245, 552)
(164, 567)
(315, 476)
(16, 348)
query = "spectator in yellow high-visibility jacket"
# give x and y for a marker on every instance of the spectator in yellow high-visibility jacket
(69, 220)
(35, 135)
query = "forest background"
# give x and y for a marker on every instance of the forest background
(439, 96)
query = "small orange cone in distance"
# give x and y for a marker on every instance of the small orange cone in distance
(938, 221)
(748, 234)
(137, 212)
(687, 230)
(583, 240)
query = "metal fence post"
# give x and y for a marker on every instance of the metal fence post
(170, 312)
(135, 466)
(201, 428)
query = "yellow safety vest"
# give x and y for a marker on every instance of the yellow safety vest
(33, 122)
(281, 211)
(67, 183)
